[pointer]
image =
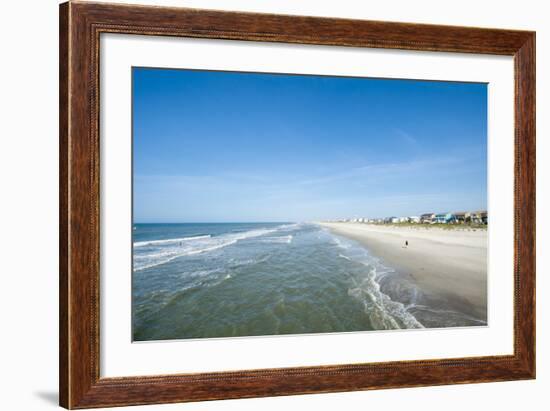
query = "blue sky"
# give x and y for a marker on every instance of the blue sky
(224, 146)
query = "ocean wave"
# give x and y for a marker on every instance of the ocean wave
(383, 312)
(286, 239)
(236, 263)
(202, 273)
(159, 252)
(170, 240)
(341, 243)
(291, 226)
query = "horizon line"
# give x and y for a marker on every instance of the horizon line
(214, 222)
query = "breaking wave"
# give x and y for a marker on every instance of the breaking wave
(383, 312)
(148, 254)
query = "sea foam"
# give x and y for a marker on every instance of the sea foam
(383, 312)
(169, 241)
(148, 254)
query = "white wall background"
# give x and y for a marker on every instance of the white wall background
(28, 204)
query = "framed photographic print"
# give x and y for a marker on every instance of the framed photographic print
(257, 205)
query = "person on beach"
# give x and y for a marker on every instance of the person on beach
(406, 243)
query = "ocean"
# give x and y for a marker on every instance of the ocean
(250, 279)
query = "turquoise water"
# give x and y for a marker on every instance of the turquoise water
(229, 280)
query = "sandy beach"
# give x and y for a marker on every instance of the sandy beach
(445, 264)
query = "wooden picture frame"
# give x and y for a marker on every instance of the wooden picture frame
(80, 27)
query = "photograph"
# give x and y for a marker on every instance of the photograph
(273, 204)
(247, 205)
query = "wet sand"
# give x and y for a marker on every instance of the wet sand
(447, 264)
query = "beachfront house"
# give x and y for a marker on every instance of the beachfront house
(427, 218)
(445, 218)
(403, 219)
(440, 218)
(414, 219)
(461, 216)
(478, 217)
(484, 219)
(390, 220)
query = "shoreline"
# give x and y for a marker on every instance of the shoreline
(449, 265)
